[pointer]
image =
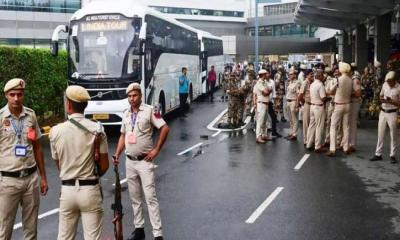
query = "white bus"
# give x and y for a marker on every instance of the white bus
(211, 55)
(111, 44)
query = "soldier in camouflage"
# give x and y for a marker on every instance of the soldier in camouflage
(234, 101)
(280, 92)
(224, 82)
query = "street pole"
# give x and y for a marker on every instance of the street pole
(256, 37)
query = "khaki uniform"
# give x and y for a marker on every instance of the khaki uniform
(262, 107)
(24, 190)
(341, 112)
(292, 93)
(330, 84)
(140, 174)
(354, 109)
(305, 90)
(72, 147)
(317, 114)
(388, 116)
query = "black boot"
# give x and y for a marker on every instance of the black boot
(138, 234)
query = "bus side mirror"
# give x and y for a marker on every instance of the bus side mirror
(54, 48)
(55, 37)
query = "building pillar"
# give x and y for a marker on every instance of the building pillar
(345, 48)
(382, 37)
(361, 54)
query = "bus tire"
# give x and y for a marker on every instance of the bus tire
(161, 104)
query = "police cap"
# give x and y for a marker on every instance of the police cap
(77, 94)
(14, 84)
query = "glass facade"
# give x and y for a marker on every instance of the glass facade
(30, 43)
(194, 11)
(290, 29)
(60, 6)
(279, 9)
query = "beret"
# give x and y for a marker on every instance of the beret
(14, 84)
(77, 94)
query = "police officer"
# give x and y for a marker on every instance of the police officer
(330, 83)
(304, 98)
(262, 92)
(292, 104)
(343, 90)
(317, 112)
(136, 138)
(354, 107)
(20, 156)
(390, 98)
(73, 149)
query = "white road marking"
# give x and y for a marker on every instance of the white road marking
(122, 181)
(264, 205)
(216, 134)
(46, 214)
(211, 127)
(301, 162)
(189, 149)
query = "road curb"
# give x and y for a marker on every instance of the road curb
(211, 125)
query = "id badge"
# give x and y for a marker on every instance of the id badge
(130, 138)
(20, 151)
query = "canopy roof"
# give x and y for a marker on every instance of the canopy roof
(341, 14)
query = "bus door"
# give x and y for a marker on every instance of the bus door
(203, 65)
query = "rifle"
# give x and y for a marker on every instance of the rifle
(117, 207)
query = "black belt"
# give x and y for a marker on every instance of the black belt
(389, 110)
(137, 158)
(87, 182)
(290, 100)
(315, 104)
(19, 174)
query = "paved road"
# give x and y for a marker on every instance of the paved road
(210, 192)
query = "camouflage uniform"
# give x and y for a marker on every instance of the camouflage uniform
(251, 80)
(244, 93)
(224, 83)
(234, 101)
(280, 92)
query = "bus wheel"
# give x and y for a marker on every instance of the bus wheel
(161, 104)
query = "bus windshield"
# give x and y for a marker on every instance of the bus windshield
(104, 47)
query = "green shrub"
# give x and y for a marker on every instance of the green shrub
(44, 74)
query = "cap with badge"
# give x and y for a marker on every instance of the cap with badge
(77, 94)
(353, 64)
(328, 69)
(133, 86)
(14, 84)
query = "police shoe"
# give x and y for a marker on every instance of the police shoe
(283, 120)
(276, 135)
(393, 160)
(138, 234)
(260, 140)
(376, 158)
(331, 154)
(159, 238)
(320, 150)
